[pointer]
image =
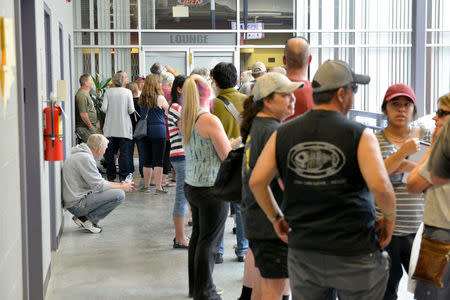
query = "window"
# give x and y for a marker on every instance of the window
(437, 52)
(269, 14)
(188, 14)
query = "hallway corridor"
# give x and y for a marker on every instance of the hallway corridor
(133, 258)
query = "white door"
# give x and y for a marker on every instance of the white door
(185, 59)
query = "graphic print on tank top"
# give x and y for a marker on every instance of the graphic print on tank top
(315, 160)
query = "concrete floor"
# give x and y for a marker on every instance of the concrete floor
(133, 257)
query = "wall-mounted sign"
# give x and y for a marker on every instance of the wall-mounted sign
(251, 26)
(190, 2)
(176, 38)
(180, 11)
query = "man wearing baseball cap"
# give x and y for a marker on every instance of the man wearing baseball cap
(332, 172)
(139, 79)
(258, 70)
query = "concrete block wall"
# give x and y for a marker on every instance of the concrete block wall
(10, 201)
(11, 244)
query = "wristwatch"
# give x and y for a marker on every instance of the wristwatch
(275, 218)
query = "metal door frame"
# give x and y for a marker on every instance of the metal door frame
(142, 64)
(232, 49)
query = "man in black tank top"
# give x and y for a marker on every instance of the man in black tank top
(332, 171)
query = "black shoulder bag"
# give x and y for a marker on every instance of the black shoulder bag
(141, 128)
(228, 184)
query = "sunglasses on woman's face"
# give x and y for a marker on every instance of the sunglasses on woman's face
(440, 112)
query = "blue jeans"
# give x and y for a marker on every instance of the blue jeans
(179, 208)
(242, 242)
(116, 143)
(98, 205)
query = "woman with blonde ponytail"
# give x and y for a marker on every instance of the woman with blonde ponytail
(205, 144)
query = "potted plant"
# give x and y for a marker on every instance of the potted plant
(97, 95)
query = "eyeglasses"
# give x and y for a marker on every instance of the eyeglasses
(440, 112)
(354, 87)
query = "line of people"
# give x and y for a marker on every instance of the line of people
(329, 209)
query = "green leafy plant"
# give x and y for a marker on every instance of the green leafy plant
(101, 84)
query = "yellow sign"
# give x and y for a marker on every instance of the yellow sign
(8, 58)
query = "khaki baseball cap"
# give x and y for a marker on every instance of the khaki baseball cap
(258, 68)
(274, 83)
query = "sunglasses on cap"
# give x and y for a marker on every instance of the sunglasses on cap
(440, 112)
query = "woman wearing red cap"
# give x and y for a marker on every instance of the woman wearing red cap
(398, 141)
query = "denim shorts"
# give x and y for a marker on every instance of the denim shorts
(270, 257)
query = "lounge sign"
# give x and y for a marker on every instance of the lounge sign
(188, 38)
(181, 38)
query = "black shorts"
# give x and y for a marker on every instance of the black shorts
(153, 152)
(270, 258)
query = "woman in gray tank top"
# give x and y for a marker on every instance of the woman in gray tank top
(206, 144)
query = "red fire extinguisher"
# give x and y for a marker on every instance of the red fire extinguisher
(53, 133)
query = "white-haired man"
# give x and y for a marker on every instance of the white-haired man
(86, 194)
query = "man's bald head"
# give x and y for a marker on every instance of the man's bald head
(296, 53)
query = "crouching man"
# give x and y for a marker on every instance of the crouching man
(86, 194)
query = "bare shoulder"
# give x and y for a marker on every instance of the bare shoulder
(208, 119)
(368, 137)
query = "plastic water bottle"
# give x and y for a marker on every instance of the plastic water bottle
(129, 178)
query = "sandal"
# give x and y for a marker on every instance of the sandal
(169, 184)
(159, 192)
(178, 245)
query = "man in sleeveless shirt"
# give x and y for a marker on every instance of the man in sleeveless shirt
(332, 172)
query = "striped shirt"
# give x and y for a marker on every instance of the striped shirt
(409, 207)
(176, 144)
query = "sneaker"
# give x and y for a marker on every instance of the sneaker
(161, 192)
(77, 221)
(88, 225)
(219, 258)
(219, 291)
(241, 258)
